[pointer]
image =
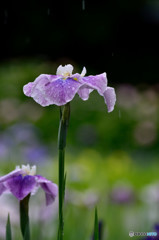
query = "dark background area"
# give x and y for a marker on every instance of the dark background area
(119, 37)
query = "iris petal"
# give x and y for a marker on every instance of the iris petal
(50, 189)
(14, 173)
(2, 188)
(60, 89)
(98, 82)
(49, 89)
(21, 186)
(84, 92)
(110, 98)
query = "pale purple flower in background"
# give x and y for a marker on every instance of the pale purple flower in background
(61, 88)
(3, 149)
(23, 133)
(20, 141)
(122, 193)
(6, 143)
(37, 153)
(23, 181)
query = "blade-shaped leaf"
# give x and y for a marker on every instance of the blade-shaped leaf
(8, 229)
(96, 228)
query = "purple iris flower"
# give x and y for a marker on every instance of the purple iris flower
(23, 181)
(61, 88)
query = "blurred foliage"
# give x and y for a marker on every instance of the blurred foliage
(105, 152)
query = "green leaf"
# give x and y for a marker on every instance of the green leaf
(96, 228)
(8, 229)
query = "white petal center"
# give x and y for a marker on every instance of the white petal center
(28, 169)
(65, 71)
(83, 73)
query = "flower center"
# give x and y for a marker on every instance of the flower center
(28, 169)
(67, 70)
(66, 74)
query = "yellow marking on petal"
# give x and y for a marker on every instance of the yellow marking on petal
(66, 74)
(75, 79)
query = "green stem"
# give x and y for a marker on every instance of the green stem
(24, 217)
(64, 121)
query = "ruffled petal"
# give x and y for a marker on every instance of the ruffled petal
(98, 82)
(50, 89)
(61, 91)
(27, 89)
(110, 98)
(12, 174)
(50, 189)
(36, 89)
(21, 186)
(84, 92)
(2, 188)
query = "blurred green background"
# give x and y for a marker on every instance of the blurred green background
(111, 158)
